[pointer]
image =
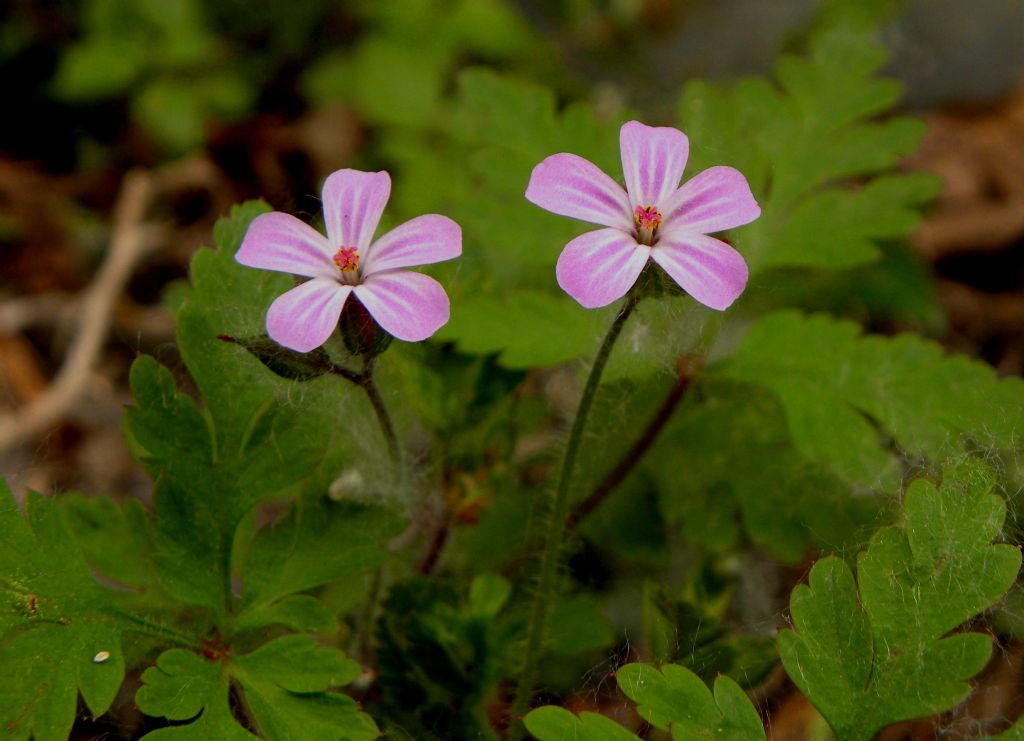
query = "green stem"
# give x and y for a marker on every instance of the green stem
(363, 638)
(556, 526)
(370, 387)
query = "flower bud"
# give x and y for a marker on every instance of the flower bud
(361, 333)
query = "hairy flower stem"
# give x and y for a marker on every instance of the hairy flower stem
(370, 387)
(364, 380)
(556, 525)
(363, 636)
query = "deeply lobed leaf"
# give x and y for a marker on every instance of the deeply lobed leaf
(672, 699)
(876, 651)
(285, 684)
(57, 625)
(845, 394)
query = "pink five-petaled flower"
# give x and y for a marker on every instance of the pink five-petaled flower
(652, 218)
(411, 306)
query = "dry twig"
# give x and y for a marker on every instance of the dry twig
(76, 372)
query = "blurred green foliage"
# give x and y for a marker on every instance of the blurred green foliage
(178, 73)
(274, 496)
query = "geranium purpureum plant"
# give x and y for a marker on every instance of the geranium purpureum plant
(652, 219)
(615, 470)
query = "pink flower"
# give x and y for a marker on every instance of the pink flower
(410, 306)
(652, 218)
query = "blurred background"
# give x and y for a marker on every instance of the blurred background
(131, 125)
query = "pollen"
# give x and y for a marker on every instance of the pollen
(347, 259)
(647, 217)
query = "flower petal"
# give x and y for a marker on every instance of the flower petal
(706, 268)
(304, 317)
(716, 199)
(653, 159)
(599, 267)
(420, 241)
(411, 306)
(353, 203)
(569, 185)
(278, 241)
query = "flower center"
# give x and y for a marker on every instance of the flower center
(347, 260)
(648, 219)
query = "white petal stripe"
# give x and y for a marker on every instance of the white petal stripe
(569, 185)
(304, 317)
(599, 267)
(713, 200)
(708, 269)
(653, 160)
(420, 241)
(278, 241)
(353, 202)
(411, 306)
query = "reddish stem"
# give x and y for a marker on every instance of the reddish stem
(687, 368)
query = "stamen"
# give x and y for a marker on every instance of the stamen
(648, 219)
(347, 259)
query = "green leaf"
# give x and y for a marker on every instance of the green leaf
(394, 55)
(170, 111)
(846, 395)
(257, 415)
(744, 474)
(481, 326)
(55, 621)
(183, 686)
(676, 699)
(314, 545)
(799, 142)
(883, 654)
(838, 229)
(286, 686)
(441, 656)
(112, 537)
(468, 401)
(550, 723)
(672, 699)
(99, 68)
(296, 663)
(299, 612)
(898, 290)
(173, 441)
(414, 78)
(576, 625)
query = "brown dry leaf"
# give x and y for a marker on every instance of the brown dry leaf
(980, 157)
